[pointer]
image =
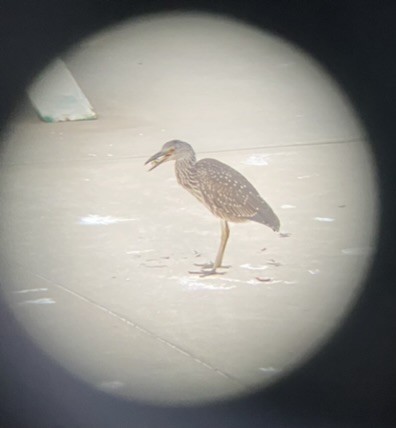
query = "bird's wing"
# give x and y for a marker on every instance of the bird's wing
(226, 192)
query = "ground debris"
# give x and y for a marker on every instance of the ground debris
(274, 263)
(262, 279)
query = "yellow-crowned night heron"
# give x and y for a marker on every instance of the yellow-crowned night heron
(222, 189)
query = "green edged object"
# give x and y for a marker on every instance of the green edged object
(57, 97)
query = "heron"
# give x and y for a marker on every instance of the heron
(224, 191)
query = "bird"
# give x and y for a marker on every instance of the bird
(224, 191)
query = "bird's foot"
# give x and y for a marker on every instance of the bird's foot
(206, 272)
(210, 265)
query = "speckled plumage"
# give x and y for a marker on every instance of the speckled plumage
(222, 189)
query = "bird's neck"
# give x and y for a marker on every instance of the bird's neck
(185, 171)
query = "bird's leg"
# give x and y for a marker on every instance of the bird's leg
(225, 233)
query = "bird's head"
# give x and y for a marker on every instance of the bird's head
(172, 150)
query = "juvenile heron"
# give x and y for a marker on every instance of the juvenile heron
(223, 190)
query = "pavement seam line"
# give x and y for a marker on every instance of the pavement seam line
(123, 158)
(143, 330)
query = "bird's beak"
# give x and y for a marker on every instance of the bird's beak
(157, 159)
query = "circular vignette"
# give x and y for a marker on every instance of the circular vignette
(335, 54)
